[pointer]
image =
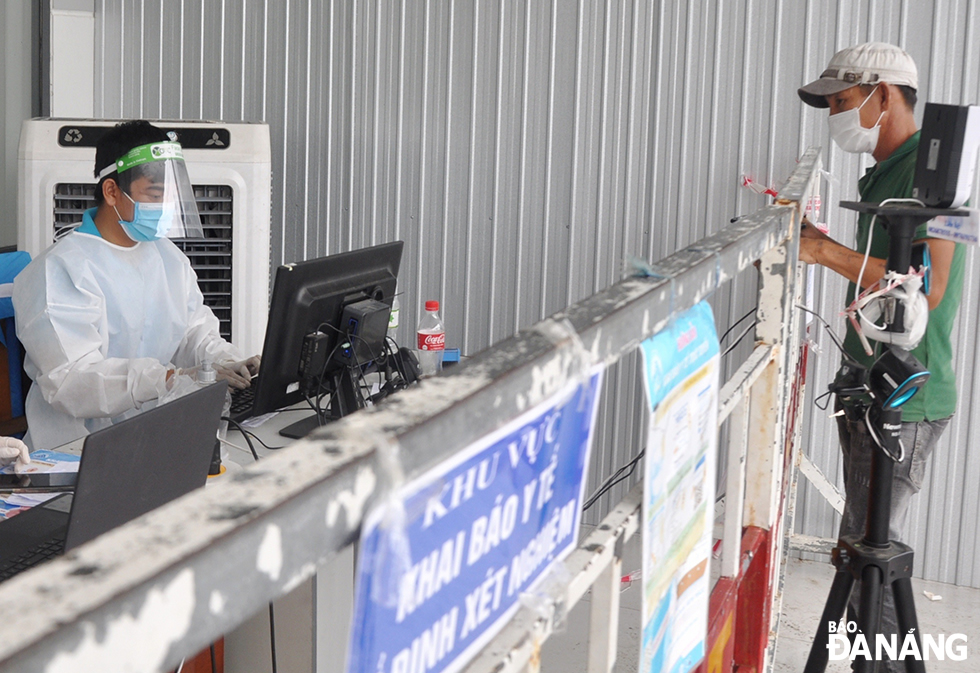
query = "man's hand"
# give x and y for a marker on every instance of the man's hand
(811, 241)
(239, 374)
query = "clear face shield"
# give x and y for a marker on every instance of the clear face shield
(154, 178)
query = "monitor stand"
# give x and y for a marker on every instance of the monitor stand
(345, 400)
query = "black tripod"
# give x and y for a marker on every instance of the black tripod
(873, 558)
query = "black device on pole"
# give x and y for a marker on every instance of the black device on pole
(873, 558)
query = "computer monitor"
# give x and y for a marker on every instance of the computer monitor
(315, 305)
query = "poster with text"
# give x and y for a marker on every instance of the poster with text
(440, 576)
(681, 377)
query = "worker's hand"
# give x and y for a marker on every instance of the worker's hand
(253, 363)
(809, 230)
(183, 382)
(811, 240)
(238, 374)
(13, 450)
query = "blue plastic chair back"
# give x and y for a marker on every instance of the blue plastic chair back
(12, 263)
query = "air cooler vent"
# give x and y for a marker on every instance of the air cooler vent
(210, 258)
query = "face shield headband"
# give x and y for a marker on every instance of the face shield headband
(175, 213)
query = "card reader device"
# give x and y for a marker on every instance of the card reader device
(947, 161)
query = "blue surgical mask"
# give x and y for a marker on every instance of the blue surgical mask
(151, 221)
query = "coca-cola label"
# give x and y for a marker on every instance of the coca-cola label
(432, 342)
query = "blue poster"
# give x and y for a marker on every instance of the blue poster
(437, 579)
(681, 376)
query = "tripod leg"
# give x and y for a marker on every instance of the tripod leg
(869, 615)
(833, 610)
(905, 609)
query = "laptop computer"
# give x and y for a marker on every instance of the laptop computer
(126, 470)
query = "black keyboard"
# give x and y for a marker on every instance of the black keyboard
(242, 398)
(30, 558)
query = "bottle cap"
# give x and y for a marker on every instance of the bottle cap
(431, 305)
(206, 373)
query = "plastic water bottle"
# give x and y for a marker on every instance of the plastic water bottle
(432, 340)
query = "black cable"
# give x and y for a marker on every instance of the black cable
(379, 360)
(607, 487)
(272, 636)
(248, 433)
(613, 479)
(398, 361)
(214, 664)
(319, 389)
(736, 324)
(319, 421)
(319, 408)
(399, 365)
(360, 376)
(348, 335)
(391, 373)
(624, 477)
(244, 434)
(840, 346)
(739, 339)
(357, 366)
(826, 395)
(254, 436)
(833, 335)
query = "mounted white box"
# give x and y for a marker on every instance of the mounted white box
(230, 168)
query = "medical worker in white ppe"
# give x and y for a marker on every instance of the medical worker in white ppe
(110, 315)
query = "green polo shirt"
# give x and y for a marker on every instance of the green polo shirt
(892, 178)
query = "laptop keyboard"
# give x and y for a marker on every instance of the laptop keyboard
(30, 558)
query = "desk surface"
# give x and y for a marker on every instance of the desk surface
(268, 432)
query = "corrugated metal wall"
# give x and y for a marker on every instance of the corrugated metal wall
(524, 150)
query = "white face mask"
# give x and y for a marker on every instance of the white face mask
(847, 132)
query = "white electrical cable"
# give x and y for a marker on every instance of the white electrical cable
(870, 426)
(905, 289)
(871, 232)
(864, 263)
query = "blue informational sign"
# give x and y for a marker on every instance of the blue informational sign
(681, 376)
(481, 529)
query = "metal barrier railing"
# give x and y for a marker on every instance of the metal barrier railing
(762, 402)
(164, 586)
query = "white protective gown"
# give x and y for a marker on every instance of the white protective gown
(100, 324)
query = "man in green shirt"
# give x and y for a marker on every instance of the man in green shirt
(871, 92)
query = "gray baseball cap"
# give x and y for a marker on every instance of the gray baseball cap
(868, 63)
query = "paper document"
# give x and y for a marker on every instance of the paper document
(15, 503)
(46, 461)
